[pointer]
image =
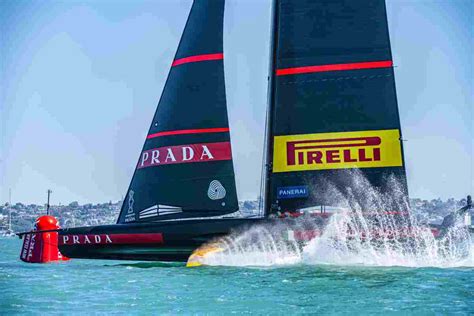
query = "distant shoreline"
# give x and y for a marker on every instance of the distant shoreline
(75, 214)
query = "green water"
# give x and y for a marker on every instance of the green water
(114, 287)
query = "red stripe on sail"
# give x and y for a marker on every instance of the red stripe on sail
(334, 67)
(102, 239)
(197, 58)
(189, 131)
(190, 153)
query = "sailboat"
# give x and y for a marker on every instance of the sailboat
(332, 108)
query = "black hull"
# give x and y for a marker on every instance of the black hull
(178, 239)
(171, 240)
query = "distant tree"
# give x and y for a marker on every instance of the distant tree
(74, 204)
(19, 206)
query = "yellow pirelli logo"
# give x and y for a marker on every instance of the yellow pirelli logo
(364, 149)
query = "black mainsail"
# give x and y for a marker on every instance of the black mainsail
(333, 105)
(185, 168)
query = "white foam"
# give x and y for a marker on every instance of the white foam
(352, 237)
(335, 247)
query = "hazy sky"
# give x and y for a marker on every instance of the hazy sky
(80, 81)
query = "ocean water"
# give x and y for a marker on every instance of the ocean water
(117, 287)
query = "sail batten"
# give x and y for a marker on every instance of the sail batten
(334, 67)
(197, 58)
(189, 131)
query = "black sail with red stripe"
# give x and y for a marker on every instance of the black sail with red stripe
(185, 168)
(333, 106)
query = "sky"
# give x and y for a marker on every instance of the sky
(80, 80)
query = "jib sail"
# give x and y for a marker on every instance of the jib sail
(185, 168)
(333, 106)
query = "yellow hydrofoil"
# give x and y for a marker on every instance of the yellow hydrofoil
(198, 257)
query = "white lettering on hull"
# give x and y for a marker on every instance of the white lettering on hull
(86, 239)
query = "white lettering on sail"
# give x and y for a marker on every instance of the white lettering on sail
(75, 239)
(86, 240)
(206, 152)
(154, 156)
(65, 239)
(170, 155)
(107, 239)
(144, 158)
(184, 154)
(188, 153)
(97, 239)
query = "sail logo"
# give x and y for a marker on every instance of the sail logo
(343, 150)
(293, 192)
(159, 210)
(130, 201)
(216, 190)
(185, 154)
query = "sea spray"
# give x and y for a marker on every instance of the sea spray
(260, 245)
(372, 228)
(379, 229)
(418, 248)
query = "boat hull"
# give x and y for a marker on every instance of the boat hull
(175, 240)
(159, 241)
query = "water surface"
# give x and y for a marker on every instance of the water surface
(116, 287)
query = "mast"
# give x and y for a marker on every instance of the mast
(270, 109)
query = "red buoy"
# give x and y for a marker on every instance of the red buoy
(42, 247)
